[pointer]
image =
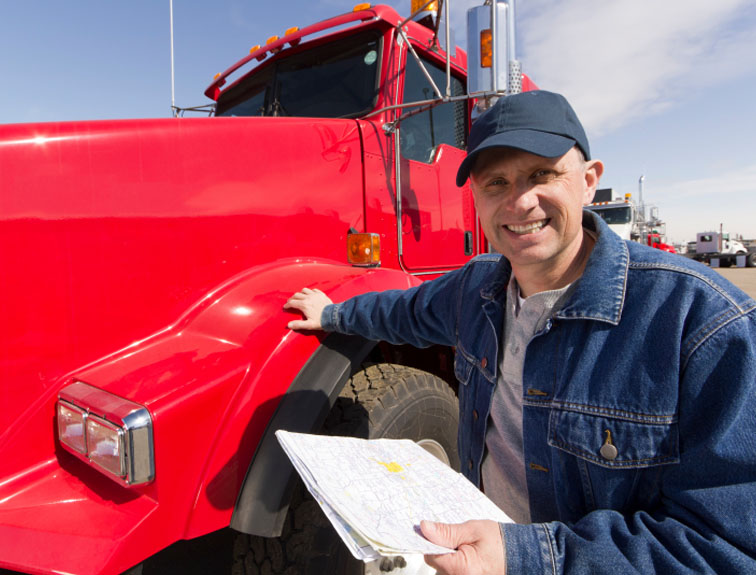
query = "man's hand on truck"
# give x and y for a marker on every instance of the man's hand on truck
(311, 303)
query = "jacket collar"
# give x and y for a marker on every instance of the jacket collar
(600, 292)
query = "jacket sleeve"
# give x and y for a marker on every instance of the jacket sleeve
(421, 316)
(706, 521)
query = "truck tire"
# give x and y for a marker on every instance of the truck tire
(751, 260)
(382, 400)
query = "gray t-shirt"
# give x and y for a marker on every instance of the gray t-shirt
(503, 471)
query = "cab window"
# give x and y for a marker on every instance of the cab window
(336, 80)
(443, 124)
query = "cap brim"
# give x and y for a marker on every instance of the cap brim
(542, 144)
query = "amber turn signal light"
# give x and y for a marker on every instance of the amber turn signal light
(364, 249)
(486, 49)
(418, 5)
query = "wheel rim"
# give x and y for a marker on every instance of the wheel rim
(435, 449)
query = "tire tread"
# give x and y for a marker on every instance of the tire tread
(371, 404)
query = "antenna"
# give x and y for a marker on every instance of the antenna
(173, 87)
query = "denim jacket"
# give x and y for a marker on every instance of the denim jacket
(639, 406)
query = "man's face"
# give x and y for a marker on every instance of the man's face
(531, 207)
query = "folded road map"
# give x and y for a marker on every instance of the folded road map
(376, 492)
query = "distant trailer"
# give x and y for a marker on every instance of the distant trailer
(718, 250)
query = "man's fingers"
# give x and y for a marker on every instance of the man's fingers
(299, 299)
(442, 534)
(301, 324)
(294, 303)
(310, 302)
(478, 544)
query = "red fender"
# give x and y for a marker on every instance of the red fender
(211, 382)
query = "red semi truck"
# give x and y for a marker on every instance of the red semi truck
(144, 352)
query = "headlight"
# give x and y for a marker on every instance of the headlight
(112, 433)
(71, 422)
(105, 444)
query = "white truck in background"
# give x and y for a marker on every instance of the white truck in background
(628, 222)
(718, 250)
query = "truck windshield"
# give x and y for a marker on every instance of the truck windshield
(335, 80)
(619, 215)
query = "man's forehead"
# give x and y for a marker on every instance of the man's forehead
(498, 158)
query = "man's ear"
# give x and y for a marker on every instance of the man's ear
(593, 171)
(474, 191)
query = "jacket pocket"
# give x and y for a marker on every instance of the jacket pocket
(615, 440)
(462, 367)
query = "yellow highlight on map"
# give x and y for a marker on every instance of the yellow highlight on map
(393, 467)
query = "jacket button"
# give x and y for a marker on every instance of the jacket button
(475, 415)
(609, 452)
(469, 464)
(484, 362)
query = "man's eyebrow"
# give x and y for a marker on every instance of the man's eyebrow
(486, 174)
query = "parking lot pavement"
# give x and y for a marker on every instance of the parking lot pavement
(744, 278)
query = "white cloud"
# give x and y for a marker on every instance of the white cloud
(743, 182)
(703, 204)
(623, 59)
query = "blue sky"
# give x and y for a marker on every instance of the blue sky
(665, 88)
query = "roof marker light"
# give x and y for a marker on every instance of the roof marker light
(270, 41)
(360, 7)
(292, 30)
(254, 48)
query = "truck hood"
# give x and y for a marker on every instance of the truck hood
(109, 231)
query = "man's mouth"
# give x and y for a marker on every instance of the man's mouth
(529, 228)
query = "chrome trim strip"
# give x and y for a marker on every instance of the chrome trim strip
(140, 448)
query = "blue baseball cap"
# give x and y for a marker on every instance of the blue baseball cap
(539, 122)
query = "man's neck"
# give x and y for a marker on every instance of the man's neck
(541, 277)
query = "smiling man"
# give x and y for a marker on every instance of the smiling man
(531, 211)
(607, 390)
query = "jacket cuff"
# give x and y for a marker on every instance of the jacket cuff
(528, 549)
(329, 317)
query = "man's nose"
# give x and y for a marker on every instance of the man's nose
(524, 199)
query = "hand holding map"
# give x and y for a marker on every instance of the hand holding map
(376, 492)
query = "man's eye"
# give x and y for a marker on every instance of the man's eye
(542, 174)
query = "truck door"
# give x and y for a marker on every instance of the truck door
(438, 218)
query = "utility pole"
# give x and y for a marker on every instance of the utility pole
(173, 87)
(641, 209)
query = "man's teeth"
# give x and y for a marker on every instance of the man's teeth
(530, 228)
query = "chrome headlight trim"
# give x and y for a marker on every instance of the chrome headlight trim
(131, 421)
(140, 449)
